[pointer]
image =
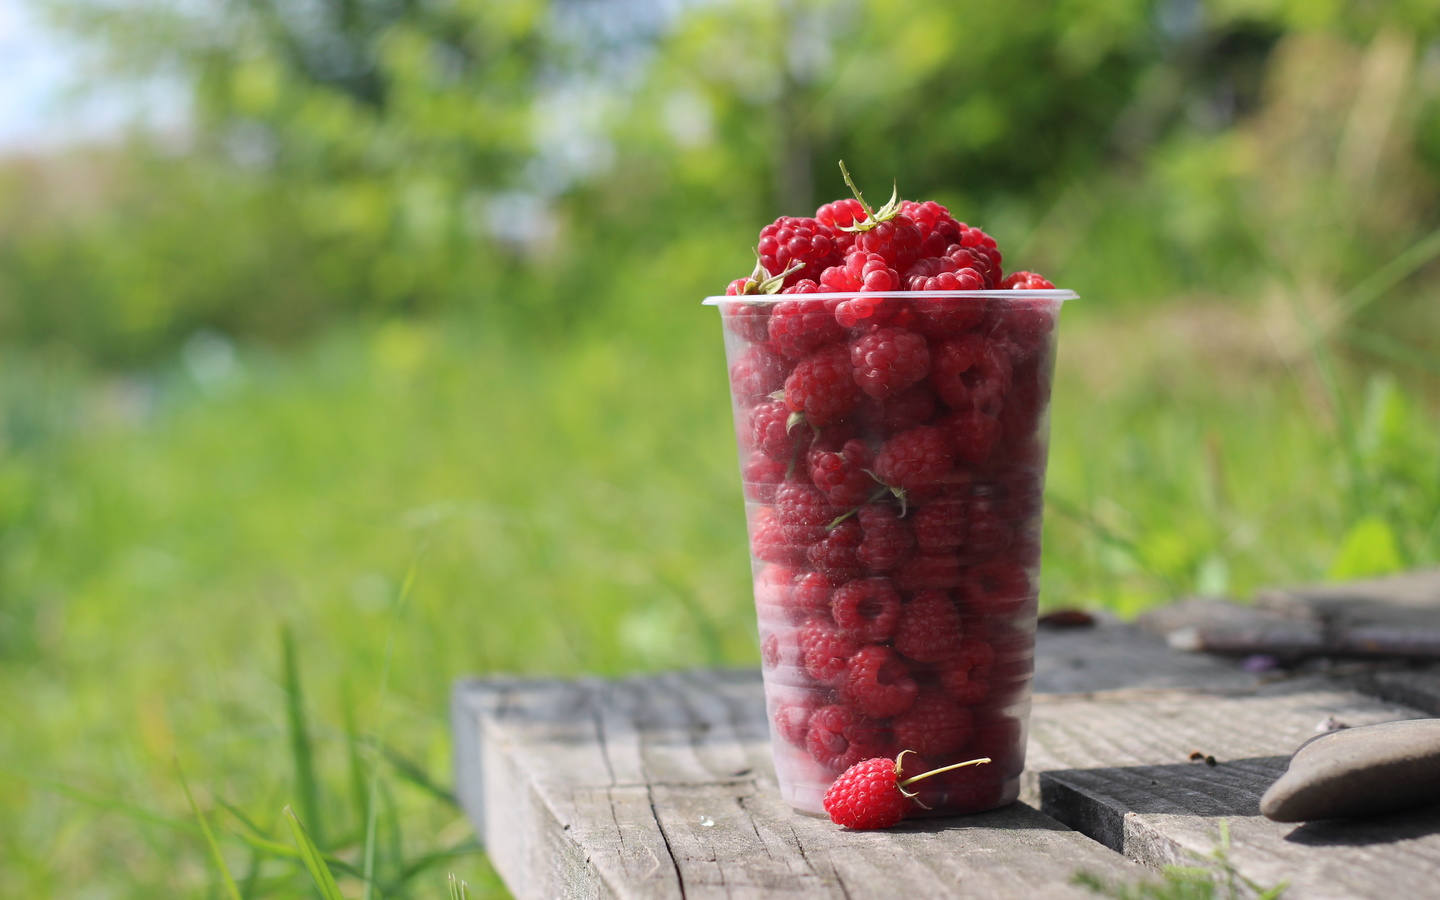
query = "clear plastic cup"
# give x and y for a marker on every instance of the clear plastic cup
(893, 473)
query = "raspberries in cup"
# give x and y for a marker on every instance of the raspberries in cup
(890, 388)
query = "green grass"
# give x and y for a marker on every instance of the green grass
(274, 570)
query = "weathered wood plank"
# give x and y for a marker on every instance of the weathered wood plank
(1115, 766)
(662, 787)
(1114, 655)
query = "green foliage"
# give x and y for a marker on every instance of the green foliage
(1216, 879)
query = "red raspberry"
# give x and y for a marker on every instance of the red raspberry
(940, 525)
(929, 570)
(867, 609)
(792, 720)
(841, 474)
(970, 372)
(769, 543)
(760, 476)
(839, 738)
(774, 592)
(983, 246)
(822, 386)
(800, 327)
(934, 725)
(1025, 281)
(841, 214)
(811, 596)
(803, 512)
(777, 432)
(868, 796)
(895, 240)
(889, 360)
(915, 461)
(930, 630)
(834, 554)
(908, 409)
(938, 229)
(758, 373)
(878, 683)
(780, 648)
(751, 321)
(974, 433)
(888, 540)
(996, 588)
(966, 676)
(826, 651)
(863, 272)
(790, 240)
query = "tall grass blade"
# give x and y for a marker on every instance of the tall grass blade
(314, 859)
(215, 854)
(358, 789)
(301, 751)
(410, 771)
(406, 587)
(459, 890)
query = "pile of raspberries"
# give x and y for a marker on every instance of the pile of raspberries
(893, 453)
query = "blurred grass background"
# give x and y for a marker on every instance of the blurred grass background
(413, 296)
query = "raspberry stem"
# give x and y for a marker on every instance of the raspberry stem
(960, 765)
(890, 210)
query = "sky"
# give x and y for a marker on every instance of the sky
(40, 106)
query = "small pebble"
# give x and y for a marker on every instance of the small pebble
(1361, 771)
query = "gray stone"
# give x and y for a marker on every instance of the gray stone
(1358, 772)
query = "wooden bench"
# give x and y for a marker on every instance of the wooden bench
(661, 786)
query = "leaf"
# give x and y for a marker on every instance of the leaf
(301, 752)
(314, 860)
(215, 853)
(1368, 548)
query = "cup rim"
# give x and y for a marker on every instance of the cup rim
(755, 299)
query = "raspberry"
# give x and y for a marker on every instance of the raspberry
(966, 676)
(867, 609)
(996, 588)
(888, 540)
(877, 683)
(790, 240)
(758, 373)
(792, 720)
(822, 387)
(973, 433)
(1025, 281)
(777, 432)
(839, 738)
(802, 512)
(929, 570)
(970, 372)
(938, 229)
(940, 526)
(748, 320)
(779, 648)
(841, 474)
(934, 725)
(760, 476)
(983, 246)
(908, 409)
(863, 272)
(929, 630)
(800, 327)
(889, 360)
(896, 240)
(811, 596)
(868, 796)
(774, 591)
(834, 554)
(826, 651)
(841, 214)
(915, 460)
(769, 543)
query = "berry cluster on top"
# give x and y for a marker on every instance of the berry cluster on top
(893, 459)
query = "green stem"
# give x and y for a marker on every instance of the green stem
(969, 762)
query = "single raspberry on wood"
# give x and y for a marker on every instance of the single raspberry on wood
(889, 360)
(803, 247)
(873, 793)
(867, 609)
(934, 725)
(878, 683)
(840, 737)
(930, 629)
(822, 386)
(888, 540)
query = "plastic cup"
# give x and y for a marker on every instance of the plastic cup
(893, 473)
